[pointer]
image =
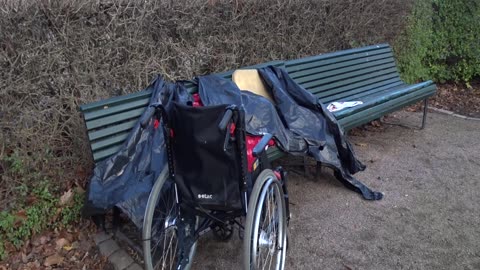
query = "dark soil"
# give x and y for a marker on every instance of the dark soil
(70, 249)
(459, 98)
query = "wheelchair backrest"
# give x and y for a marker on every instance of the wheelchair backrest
(206, 172)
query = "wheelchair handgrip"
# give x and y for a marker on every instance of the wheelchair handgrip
(260, 147)
(147, 116)
(226, 118)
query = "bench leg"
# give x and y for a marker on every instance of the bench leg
(318, 170)
(305, 166)
(425, 110)
(424, 118)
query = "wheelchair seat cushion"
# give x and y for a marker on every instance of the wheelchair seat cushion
(205, 174)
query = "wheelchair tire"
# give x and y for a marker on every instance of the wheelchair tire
(265, 240)
(153, 217)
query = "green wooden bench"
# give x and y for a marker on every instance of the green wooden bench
(368, 74)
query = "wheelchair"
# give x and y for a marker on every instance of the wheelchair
(215, 181)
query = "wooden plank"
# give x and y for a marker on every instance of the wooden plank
(110, 120)
(109, 141)
(393, 105)
(304, 69)
(348, 83)
(355, 94)
(362, 50)
(338, 65)
(115, 100)
(274, 153)
(111, 130)
(117, 108)
(375, 91)
(342, 73)
(352, 84)
(380, 98)
(105, 153)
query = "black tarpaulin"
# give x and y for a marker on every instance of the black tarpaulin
(299, 124)
(126, 178)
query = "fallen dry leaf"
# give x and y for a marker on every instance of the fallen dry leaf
(361, 144)
(53, 260)
(79, 190)
(376, 123)
(61, 243)
(20, 216)
(40, 240)
(66, 198)
(31, 199)
(24, 258)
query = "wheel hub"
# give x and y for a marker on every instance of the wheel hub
(267, 240)
(170, 221)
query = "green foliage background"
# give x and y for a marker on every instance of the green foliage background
(441, 41)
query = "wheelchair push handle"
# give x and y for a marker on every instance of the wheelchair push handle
(260, 147)
(149, 113)
(226, 118)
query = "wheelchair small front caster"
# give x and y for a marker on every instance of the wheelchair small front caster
(222, 231)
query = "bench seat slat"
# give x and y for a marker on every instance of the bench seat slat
(384, 108)
(274, 153)
(381, 97)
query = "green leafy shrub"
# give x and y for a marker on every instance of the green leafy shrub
(19, 224)
(441, 41)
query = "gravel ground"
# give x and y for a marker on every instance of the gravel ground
(429, 218)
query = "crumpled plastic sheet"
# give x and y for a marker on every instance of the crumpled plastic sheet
(299, 123)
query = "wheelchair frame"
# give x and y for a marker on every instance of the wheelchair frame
(186, 223)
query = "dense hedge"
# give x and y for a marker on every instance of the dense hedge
(442, 41)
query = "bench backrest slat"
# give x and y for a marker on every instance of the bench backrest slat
(346, 74)
(343, 75)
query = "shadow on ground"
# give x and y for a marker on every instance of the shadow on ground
(429, 218)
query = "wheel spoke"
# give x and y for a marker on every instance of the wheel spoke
(269, 225)
(266, 224)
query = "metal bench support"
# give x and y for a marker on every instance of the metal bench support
(424, 119)
(425, 110)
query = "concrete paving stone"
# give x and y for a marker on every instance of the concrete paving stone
(101, 237)
(135, 266)
(108, 247)
(120, 260)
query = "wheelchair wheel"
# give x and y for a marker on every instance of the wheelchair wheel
(265, 240)
(162, 248)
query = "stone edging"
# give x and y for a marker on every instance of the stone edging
(442, 111)
(118, 257)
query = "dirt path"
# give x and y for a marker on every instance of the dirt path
(429, 218)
